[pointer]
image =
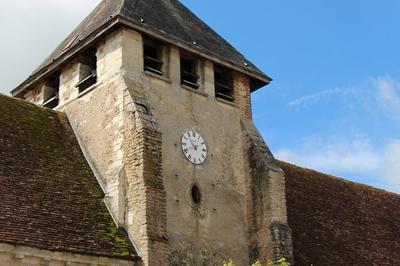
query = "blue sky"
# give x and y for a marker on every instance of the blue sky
(334, 104)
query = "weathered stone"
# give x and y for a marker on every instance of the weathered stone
(270, 237)
(131, 123)
(22, 255)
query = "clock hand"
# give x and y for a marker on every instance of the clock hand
(193, 143)
(190, 148)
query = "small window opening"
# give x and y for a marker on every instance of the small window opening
(153, 53)
(223, 79)
(51, 94)
(188, 72)
(196, 194)
(89, 70)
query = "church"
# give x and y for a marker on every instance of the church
(133, 144)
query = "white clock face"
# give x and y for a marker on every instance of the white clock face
(194, 147)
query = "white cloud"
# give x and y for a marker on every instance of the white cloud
(388, 96)
(30, 30)
(338, 94)
(334, 154)
(391, 166)
(379, 95)
(358, 156)
(315, 97)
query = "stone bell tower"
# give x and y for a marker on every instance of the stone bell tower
(161, 107)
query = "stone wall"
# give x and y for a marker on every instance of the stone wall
(270, 235)
(98, 117)
(123, 147)
(242, 95)
(22, 256)
(70, 76)
(130, 125)
(214, 230)
(134, 143)
(146, 207)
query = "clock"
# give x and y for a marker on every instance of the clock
(194, 147)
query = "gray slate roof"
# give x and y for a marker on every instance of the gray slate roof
(165, 17)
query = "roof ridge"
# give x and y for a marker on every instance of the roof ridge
(342, 179)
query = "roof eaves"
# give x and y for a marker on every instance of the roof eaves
(262, 78)
(192, 48)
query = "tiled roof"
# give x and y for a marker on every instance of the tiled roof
(337, 222)
(169, 18)
(49, 198)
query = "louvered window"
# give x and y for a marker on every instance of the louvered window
(153, 51)
(189, 76)
(223, 79)
(88, 70)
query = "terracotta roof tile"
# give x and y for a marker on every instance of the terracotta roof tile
(337, 222)
(49, 198)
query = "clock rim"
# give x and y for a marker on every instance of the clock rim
(205, 143)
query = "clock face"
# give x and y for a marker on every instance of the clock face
(194, 147)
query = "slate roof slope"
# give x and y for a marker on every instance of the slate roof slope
(49, 198)
(337, 222)
(165, 17)
(173, 18)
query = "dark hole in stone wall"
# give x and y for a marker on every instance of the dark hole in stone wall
(196, 194)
